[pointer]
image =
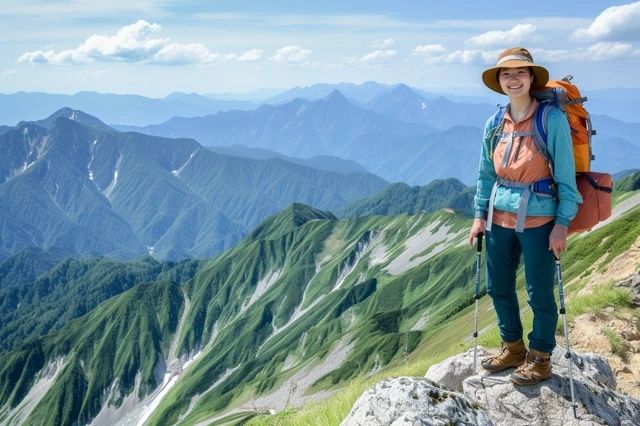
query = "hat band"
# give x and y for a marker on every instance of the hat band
(514, 58)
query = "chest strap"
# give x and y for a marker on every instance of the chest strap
(507, 151)
(542, 187)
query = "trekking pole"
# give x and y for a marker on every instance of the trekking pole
(567, 353)
(477, 298)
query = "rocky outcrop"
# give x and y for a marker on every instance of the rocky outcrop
(413, 401)
(492, 399)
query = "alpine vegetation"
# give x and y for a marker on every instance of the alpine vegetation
(304, 303)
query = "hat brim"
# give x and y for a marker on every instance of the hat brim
(490, 76)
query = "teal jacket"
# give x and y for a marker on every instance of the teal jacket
(560, 150)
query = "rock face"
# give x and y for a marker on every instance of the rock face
(413, 401)
(549, 402)
(452, 371)
(493, 399)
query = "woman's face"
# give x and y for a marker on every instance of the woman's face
(515, 81)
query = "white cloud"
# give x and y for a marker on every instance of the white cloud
(375, 58)
(382, 44)
(516, 35)
(252, 55)
(465, 56)
(178, 54)
(616, 23)
(291, 55)
(135, 43)
(429, 49)
(599, 52)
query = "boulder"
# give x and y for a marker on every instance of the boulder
(413, 401)
(451, 372)
(493, 399)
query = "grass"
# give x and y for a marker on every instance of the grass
(334, 409)
(618, 345)
(601, 297)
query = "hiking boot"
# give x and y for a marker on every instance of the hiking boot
(536, 369)
(512, 355)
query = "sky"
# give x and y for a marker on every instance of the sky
(156, 47)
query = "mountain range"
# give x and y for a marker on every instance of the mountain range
(72, 182)
(303, 305)
(398, 134)
(113, 108)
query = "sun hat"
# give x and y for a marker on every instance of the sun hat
(515, 57)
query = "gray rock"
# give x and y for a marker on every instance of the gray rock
(593, 366)
(632, 284)
(451, 372)
(549, 402)
(413, 401)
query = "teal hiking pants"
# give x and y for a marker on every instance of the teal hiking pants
(504, 247)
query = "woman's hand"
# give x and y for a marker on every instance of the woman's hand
(477, 228)
(558, 240)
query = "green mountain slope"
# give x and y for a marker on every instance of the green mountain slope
(94, 351)
(401, 198)
(628, 183)
(305, 288)
(304, 305)
(71, 289)
(24, 267)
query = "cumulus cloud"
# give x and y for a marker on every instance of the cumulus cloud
(516, 35)
(135, 43)
(382, 44)
(429, 49)
(616, 23)
(292, 55)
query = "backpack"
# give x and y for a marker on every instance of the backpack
(595, 188)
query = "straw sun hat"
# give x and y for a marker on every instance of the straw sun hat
(515, 57)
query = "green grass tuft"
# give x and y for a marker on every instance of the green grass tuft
(618, 345)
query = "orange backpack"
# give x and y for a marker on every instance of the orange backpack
(595, 188)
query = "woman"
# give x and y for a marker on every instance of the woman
(510, 162)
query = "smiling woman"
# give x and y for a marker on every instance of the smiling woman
(517, 219)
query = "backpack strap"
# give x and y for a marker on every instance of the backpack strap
(544, 187)
(497, 124)
(540, 130)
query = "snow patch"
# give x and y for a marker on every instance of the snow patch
(179, 170)
(418, 243)
(421, 323)
(134, 410)
(348, 267)
(45, 380)
(261, 288)
(93, 144)
(109, 189)
(292, 391)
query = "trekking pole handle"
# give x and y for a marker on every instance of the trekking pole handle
(479, 242)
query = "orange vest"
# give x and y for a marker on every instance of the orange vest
(524, 163)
